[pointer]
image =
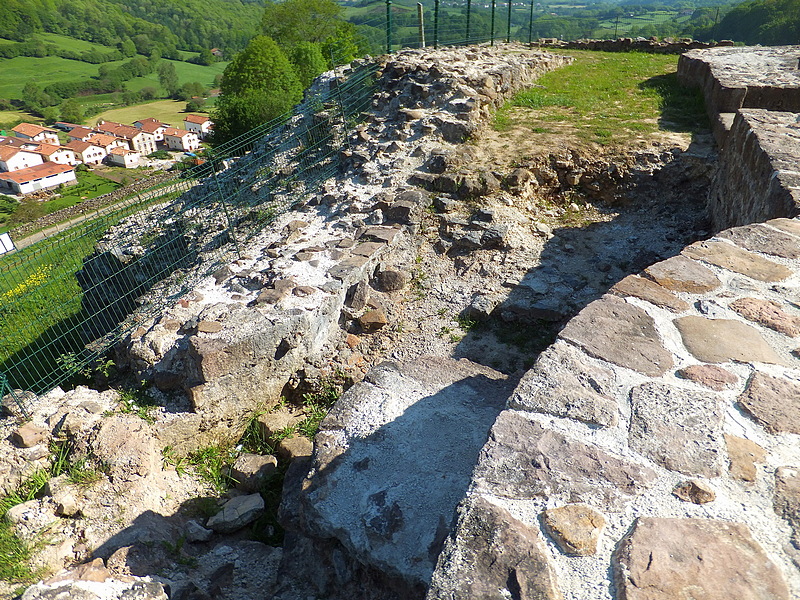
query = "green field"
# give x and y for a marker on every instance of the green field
(43, 71)
(168, 111)
(68, 43)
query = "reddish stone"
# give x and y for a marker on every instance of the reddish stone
(710, 376)
(767, 313)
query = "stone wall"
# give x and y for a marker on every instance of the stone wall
(632, 45)
(752, 97)
(653, 449)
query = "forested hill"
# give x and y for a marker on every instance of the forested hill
(167, 25)
(768, 22)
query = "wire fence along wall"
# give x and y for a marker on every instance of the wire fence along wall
(64, 301)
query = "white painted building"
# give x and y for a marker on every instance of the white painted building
(199, 124)
(87, 152)
(13, 158)
(123, 157)
(36, 133)
(41, 177)
(180, 139)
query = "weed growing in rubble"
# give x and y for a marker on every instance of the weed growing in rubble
(139, 403)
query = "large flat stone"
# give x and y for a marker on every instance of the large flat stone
(394, 458)
(679, 429)
(787, 499)
(721, 340)
(623, 334)
(787, 225)
(760, 238)
(667, 559)
(649, 291)
(524, 460)
(774, 402)
(681, 274)
(737, 260)
(767, 313)
(493, 555)
(564, 383)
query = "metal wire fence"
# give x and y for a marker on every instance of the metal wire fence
(66, 299)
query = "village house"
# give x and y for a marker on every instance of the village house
(87, 152)
(123, 157)
(80, 133)
(180, 139)
(199, 124)
(137, 139)
(152, 126)
(36, 133)
(57, 154)
(107, 142)
(16, 159)
(40, 177)
(64, 126)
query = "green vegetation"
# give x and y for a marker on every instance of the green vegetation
(768, 22)
(259, 85)
(607, 98)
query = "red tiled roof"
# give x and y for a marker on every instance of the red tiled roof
(174, 132)
(80, 146)
(79, 132)
(198, 119)
(47, 149)
(150, 121)
(103, 140)
(31, 129)
(122, 151)
(37, 172)
(152, 127)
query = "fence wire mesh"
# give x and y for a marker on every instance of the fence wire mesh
(66, 299)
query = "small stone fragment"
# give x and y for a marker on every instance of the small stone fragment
(743, 454)
(392, 281)
(681, 274)
(195, 532)
(721, 340)
(294, 447)
(575, 528)
(29, 435)
(251, 471)
(236, 513)
(773, 402)
(275, 422)
(710, 376)
(372, 320)
(352, 341)
(302, 291)
(67, 505)
(695, 491)
(767, 313)
(209, 327)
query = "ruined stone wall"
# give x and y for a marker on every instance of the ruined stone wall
(753, 99)
(631, 45)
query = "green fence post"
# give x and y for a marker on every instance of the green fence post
(388, 26)
(530, 27)
(436, 24)
(469, 7)
(508, 30)
(5, 388)
(491, 31)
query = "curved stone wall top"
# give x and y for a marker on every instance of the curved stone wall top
(652, 451)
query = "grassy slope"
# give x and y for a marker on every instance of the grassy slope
(44, 71)
(168, 111)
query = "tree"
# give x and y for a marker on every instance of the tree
(308, 62)
(168, 77)
(258, 85)
(293, 21)
(71, 111)
(127, 47)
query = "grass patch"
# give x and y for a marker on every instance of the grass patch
(44, 71)
(89, 186)
(609, 97)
